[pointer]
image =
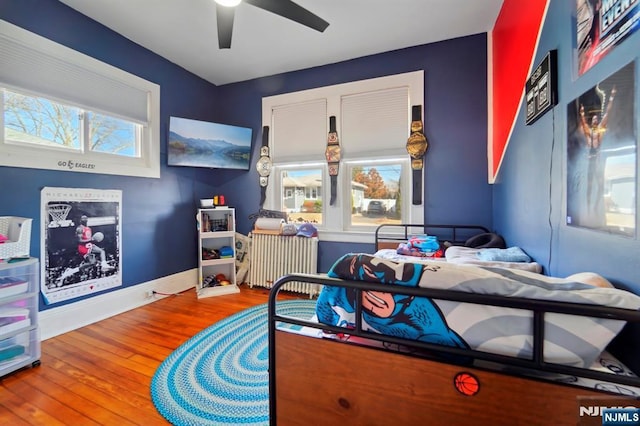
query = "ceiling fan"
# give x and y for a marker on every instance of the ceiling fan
(225, 11)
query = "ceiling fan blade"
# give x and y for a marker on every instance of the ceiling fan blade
(225, 17)
(290, 10)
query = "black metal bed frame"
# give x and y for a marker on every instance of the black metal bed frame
(455, 234)
(520, 366)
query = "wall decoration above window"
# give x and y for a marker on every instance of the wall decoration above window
(416, 147)
(333, 157)
(263, 165)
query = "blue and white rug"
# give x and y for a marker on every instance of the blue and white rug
(220, 376)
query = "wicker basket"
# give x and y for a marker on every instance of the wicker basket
(18, 230)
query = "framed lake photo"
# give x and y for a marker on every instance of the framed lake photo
(194, 143)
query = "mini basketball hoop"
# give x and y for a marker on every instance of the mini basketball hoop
(58, 213)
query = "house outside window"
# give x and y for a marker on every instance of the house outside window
(302, 194)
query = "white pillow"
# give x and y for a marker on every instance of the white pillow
(591, 278)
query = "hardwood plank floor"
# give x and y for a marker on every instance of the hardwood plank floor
(101, 374)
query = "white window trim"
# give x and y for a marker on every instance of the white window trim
(40, 157)
(335, 217)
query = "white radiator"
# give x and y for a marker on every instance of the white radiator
(273, 256)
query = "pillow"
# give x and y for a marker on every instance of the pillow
(486, 240)
(591, 278)
(511, 254)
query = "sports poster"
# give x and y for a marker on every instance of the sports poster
(81, 247)
(601, 156)
(600, 26)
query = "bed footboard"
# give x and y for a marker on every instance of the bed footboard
(316, 380)
(350, 385)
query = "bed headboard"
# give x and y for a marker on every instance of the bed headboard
(390, 235)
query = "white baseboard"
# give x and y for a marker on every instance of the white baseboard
(66, 318)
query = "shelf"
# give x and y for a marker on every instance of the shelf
(218, 290)
(216, 230)
(214, 262)
(217, 234)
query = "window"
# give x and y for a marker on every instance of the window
(30, 120)
(376, 193)
(62, 110)
(302, 193)
(373, 119)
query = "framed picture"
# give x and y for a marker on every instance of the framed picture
(81, 242)
(601, 156)
(195, 143)
(600, 26)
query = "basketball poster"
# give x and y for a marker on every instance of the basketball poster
(81, 242)
(600, 25)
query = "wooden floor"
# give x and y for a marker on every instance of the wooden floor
(101, 374)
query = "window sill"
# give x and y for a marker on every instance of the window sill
(361, 237)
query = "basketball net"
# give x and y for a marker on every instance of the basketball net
(58, 213)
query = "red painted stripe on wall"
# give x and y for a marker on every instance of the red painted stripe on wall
(513, 44)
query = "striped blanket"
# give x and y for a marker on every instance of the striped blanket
(569, 339)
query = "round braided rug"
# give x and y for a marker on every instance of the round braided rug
(220, 375)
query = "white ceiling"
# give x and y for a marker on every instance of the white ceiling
(185, 32)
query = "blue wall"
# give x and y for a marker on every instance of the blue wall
(159, 236)
(530, 193)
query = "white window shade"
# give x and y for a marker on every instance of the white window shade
(375, 124)
(45, 68)
(299, 131)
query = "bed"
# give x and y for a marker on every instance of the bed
(500, 346)
(460, 244)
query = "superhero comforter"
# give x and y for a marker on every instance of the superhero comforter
(569, 339)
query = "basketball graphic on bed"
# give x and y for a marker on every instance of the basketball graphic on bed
(98, 236)
(466, 383)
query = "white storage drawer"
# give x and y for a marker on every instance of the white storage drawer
(19, 350)
(19, 332)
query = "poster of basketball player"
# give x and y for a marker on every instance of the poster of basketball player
(601, 156)
(600, 25)
(81, 242)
